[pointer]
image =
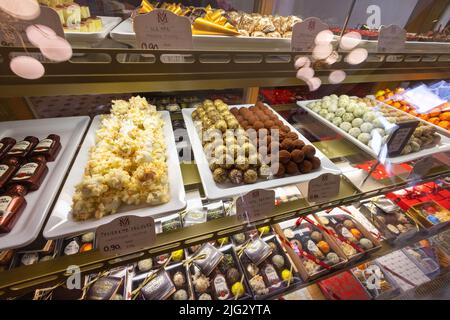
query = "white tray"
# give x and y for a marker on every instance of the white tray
(70, 130)
(443, 146)
(93, 37)
(61, 223)
(214, 191)
(124, 33)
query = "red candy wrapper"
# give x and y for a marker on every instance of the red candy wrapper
(343, 286)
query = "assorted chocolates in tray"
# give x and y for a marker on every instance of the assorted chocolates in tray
(315, 251)
(23, 168)
(267, 268)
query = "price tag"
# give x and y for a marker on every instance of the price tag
(304, 33)
(125, 234)
(421, 168)
(12, 30)
(161, 29)
(255, 204)
(391, 39)
(323, 187)
(400, 137)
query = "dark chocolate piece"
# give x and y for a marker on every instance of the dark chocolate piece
(48, 147)
(104, 288)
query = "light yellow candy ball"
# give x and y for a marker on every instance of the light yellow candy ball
(237, 289)
(177, 255)
(286, 275)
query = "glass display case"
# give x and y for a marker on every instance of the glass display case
(224, 150)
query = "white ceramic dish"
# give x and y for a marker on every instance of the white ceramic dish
(124, 33)
(71, 131)
(61, 223)
(443, 146)
(214, 191)
(93, 37)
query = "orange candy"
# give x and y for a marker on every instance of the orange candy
(356, 233)
(444, 124)
(323, 246)
(445, 116)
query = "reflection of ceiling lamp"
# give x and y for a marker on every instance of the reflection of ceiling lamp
(324, 53)
(21, 9)
(51, 45)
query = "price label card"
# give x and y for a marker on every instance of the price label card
(400, 137)
(161, 29)
(125, 234)
(391, 39)
(304, 33)
(13, 31)
(323, 187)
(255, 204)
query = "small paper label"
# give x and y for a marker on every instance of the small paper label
(323, 187)
(255, 204)
(43, 145)
(391, 39)
(125, 234)
(13, 30)
(19, 147)
(3, 169)
(421, 168)
(161, 29)
(4, 204)
(26, 171)
(305, 32)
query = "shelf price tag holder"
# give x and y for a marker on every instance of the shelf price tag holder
(255, 205)
(161, 29)
(304, 33)
(400, 137)
(322, 188)
(391, 39)
(125, 234)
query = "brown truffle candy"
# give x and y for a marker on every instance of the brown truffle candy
(285, 128)
(234, 111)
(297, 156)
(281, 170)
(291, 168)
(309, 151)
(236, 176)
(243, 111)
(244, 123)
(253, 108)
(275, 119)
(267, 112)
(251, 120)
(292, 135)
(268, 124)
(258, 125)
(305, 167)
(298, 144)
(250, 176)
(259, 104)
(239, 118)
(286, 145)
(220, 175)
(315, 163)
(284, 156)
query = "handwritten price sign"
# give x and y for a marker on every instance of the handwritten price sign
(125, 234)
(161, 29)
(304, 33)
(255, 205)
(323, 187)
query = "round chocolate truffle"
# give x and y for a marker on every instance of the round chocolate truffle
(291, 168)
(309, 151)
(268, 124)
(278, 123)
(298, 144)
(285, 128)
(297, 156)
(315, 163)
(292, 135)
(234, 111)
(258, 125)
(305, 166)
(286, 144)
(236, 176)
(284, 156)
(250, 176)
(233, 275)
(316, 236)
(220, 175)
(280, 171)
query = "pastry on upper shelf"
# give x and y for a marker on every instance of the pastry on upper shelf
(127, 165)
(74, 18)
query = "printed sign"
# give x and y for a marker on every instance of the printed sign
(304, 33)
(255, 204)
(391, 39)
(161, 29)
(12, 31)
(323, 187)
(125, 234)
